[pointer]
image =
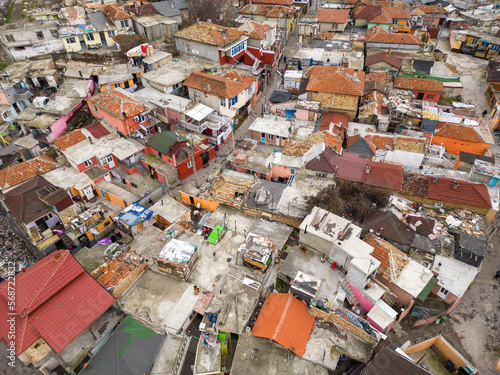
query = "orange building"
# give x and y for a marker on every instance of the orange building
(458, 138)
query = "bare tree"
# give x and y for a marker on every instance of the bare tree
(205, 10)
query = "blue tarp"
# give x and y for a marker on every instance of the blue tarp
(133, 215)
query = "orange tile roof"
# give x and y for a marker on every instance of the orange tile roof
(285, 320)
(18, 173)
(420, 84)
(280, 11)
(226, 87)
(379, 35)
(113, 12)
(380, 77)
(382, 18)
(258, 30)
(461, 132)
(336, 80)
(396, 13)
(256, 9)
(117, 104)
(334, 141)
(209, 33)
(381, 141)
(70, 139)
(431, 9)
(392, 260)
(332, 15)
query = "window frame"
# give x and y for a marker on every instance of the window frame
(190, 164)
(88, 162)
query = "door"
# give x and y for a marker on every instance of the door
(107, 177)
(443, 293)
(420, 96)
(263, 137)
(132, 159)
(89, 192)
(111, 161)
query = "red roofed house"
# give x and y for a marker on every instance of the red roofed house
(119, 17)
(378, 38)
(456, 138)
(434, 15)
(229, 95)
(332, 19)
(285, 16)
(285, 320)
(383, 175)
(223, 45)
(260, 45)
(127, 115)
(18, 173)
(422, 88)
(56, 300)
(338, 89)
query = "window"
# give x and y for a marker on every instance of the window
(494, 48)
(430, 96)
(474, 41)
(223, 102)
(233, 101)
(105, 160)
(292, 172)
(70, 40)
(124, 23)
(263, 135)
(321, 175)
(10, 38)
(237, 49)
(455, 23)
(89, 37)
(54, 33)
(5, 115)
(394, 22)
(88, 162)
(95, 109)
(190, 164)
(111, 33)
(270, 137)
(39, 35)
(197, 96)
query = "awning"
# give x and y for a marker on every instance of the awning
(427, 289)
(199, 112)
(49, 241)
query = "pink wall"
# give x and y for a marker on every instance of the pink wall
(58, 127)
(279, 171)
(363, 302)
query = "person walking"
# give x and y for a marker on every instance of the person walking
(215, 256)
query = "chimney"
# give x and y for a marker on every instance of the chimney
(455, 185)
(80, 72)
(124, 115)
(208, 87)
(90, 140)
(367, 170)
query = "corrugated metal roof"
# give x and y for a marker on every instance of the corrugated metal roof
(285, 320)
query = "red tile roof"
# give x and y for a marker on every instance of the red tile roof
(225, 87)
(113, 12)
(379, 35)
(381, 141)
(280, 11)
(19, 173)
(384, 175)
(441, 189)
(258, 30)
(117, 104)
(209, 33)
(351, 166)
(467, 193)
(382, 18)
(461, 132)
(380, 77)
(285, 320)
(296, 148)
(392, 260)
(324, 163)
(396, 13)
(390, 227)
(144, 10)
(332, 15)
(337, 118)
(336, 80)
(420, 84)
(70, 139)
(367, 12)
(383, 56)
(55, 298)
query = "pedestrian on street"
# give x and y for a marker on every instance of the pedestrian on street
(215, 256)
(150, 202)
(496, 277)
(485, 112)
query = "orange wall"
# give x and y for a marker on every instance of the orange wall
(122, 84)
(454, 146)
(204, 203)
(124, 126)
(279, 171)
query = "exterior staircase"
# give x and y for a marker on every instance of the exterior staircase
(351, 298)
(142, 170)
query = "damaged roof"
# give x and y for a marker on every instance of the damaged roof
(388, 226)
(226, 87)
(70, 139)
(207, 32)
(117, 103)
(392, 260)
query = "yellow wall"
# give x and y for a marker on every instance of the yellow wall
(122, 85)
(72, 47)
